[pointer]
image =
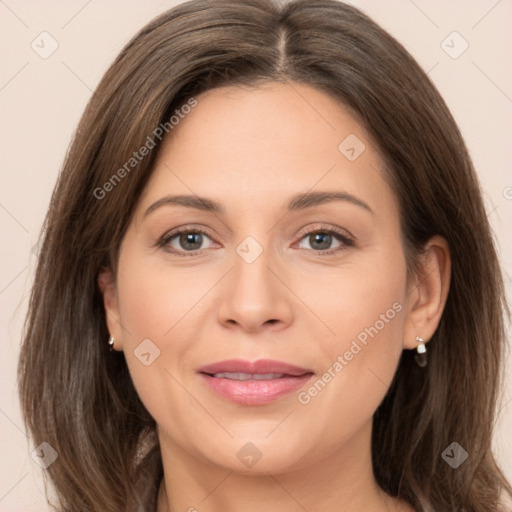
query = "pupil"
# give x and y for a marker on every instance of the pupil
(324, 237)
(189, 238)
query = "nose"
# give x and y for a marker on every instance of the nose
(255, 296)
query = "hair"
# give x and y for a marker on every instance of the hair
(79, 397)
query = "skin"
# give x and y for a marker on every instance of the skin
(251, 149)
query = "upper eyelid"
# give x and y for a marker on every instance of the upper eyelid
(177, 231)
(202, 230)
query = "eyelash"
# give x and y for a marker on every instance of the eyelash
(345, 239)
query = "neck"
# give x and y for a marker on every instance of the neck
(342, 480)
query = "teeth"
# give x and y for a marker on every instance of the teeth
(248, 376)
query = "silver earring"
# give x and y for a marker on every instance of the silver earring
(421, 352)
(111, 343)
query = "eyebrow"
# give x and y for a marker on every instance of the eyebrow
(297, 202)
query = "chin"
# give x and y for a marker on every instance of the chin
(257, 458)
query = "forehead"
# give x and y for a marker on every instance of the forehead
(261, 145)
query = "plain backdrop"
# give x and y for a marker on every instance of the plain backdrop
(42, 99)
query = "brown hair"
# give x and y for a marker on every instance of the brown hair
(79, 397)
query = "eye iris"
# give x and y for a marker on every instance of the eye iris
(187, 238)
(322, 238)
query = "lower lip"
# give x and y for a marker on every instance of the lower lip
(255, 392)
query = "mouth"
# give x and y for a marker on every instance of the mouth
(254, 383)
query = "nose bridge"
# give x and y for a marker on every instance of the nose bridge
(251, 274)
(254, 295)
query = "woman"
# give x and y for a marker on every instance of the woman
(255, 369)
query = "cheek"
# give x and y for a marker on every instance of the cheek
(157, 299)
(152, 303)
(366, 310)
(358, 302)
(162, 309)
(372, 318)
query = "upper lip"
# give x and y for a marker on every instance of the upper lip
(262, 366)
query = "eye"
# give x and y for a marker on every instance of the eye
(184, 241)
(322, 239)
(187, 241)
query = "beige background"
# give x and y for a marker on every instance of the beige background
(41, 101)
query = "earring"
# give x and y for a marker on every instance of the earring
(421, 355)
(111, 343)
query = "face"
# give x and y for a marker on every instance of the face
(268, 266)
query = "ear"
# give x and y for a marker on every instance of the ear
(428, 292)
(107, 285)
